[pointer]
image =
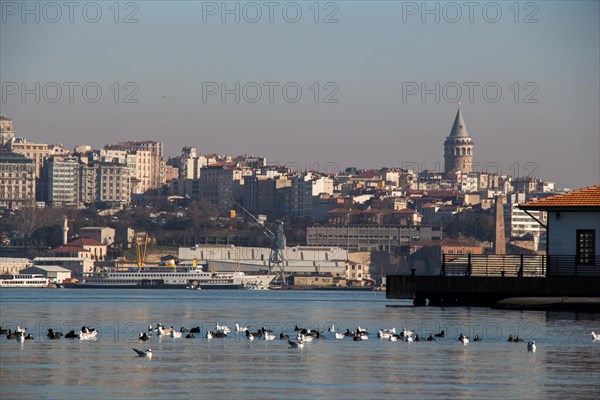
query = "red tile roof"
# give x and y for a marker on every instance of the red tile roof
(588, 198)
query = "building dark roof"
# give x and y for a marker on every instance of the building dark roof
(587, 198)
(459, 128)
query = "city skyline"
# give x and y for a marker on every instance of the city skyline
(395, 79)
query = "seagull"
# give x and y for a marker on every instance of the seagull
(144, 336)
(305, 338)
(299, 344)
(393, 338)
(175, 334)
(163, 331)
(222, 328)
(595, 336)
(331, 328)
(269, 336)
(339, 336)
(361, 330)
(408, 338)
(240, 328)
(142, 353)
(209, 335)
(463, 339)
(531, 346)
(19, 329)
(87, 335)
(407, 333)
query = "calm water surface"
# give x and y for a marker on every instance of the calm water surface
(566, 364)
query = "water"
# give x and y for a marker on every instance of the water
(566, 364)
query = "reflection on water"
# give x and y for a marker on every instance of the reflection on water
(566, 364)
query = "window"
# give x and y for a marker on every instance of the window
(585, 246)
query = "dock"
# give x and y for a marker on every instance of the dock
(508, 283)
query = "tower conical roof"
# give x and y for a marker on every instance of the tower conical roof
(459, 128)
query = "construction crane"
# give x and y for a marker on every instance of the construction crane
(278, 244)
(141, 253)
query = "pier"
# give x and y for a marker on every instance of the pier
(517, 282)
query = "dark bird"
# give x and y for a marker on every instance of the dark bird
(11, 335)
(195, 330)
(441, 334)
(477, 338)
(431, 338)
(510, 338)
(144, 353)
(29, 337)
(283, 337)
(190, 336)
(54, 335)
(144, 336)
(518, 339)
(71, 335)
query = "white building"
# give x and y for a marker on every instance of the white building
(54, 273)
(299, 259)
(303, 189)
(573, 231)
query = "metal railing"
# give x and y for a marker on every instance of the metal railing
(516, 265)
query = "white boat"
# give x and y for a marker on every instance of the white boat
(23, 281)
(184, 275)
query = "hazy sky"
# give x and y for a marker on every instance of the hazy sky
(375, 58)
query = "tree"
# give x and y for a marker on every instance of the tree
(479, 226)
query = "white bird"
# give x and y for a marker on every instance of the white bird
(87, 335)
(21, 337)
(339, 336)
(384, 334)
(407, 333)
(393, 338)
(531, 346)
(176, 334)
(331, 328)
(305, 338)
(240, 328)
(142, 353)
(209, 335)
(361, 330)
(162, 331)
(299, 344)
(364, 336)
(222, 328)
(269, 336)
(464, 340)
(408, 338)
(19, 329)
(595, 336)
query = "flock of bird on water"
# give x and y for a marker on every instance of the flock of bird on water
(303, 335)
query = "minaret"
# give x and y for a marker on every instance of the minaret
(65, 230)
(458, 147)
(500, 235)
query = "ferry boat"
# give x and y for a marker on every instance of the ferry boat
(181, 276)
(23, 281)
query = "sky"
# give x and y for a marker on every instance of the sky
(323, 85)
